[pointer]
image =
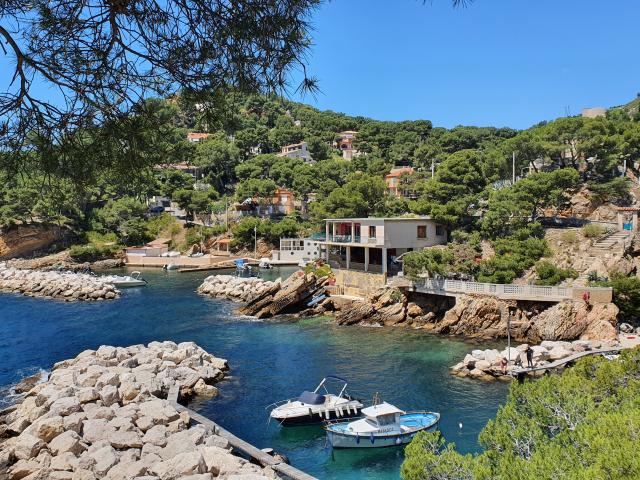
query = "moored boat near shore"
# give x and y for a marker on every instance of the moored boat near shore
(384, 425)
(314, 407)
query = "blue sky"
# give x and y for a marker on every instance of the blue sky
(498, 62)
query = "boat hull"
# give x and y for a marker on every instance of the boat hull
(131, 284)
(340, 437)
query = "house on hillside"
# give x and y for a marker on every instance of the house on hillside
(374, 244)
(282, 203)
(195, 137)
(296, 150)
(394, 182)
(345, 144)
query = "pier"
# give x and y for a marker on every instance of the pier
(520, 372)
(237, 443)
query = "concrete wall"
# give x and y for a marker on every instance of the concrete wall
(404, 234)
(358, 284)
(310, 249)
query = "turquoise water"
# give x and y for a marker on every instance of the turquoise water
(269, 361)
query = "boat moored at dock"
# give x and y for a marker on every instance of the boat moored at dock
(316, 407)
(383, 425)
(126, 281)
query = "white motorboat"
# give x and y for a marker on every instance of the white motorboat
(171, 266)
(315, 407)
(265, 263)
(126, 281)
(383, 425)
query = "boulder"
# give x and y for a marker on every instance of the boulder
(68, 441)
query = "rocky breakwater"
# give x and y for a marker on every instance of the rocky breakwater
(235, 288)
(290, 296)
(58, 285)
(100, 416)
(488, 364)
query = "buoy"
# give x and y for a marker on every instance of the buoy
(460, 424)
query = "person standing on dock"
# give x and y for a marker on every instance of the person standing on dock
(529, 352)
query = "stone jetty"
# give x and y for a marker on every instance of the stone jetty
(102, 415)
(487, 364)
(59, 285)
(235, 288)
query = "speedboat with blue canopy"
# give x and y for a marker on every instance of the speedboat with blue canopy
(383, 425)
(317, 406)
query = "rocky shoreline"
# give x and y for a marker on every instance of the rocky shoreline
(233, 288)
(487, 364)
(58, 285)
(103, 415)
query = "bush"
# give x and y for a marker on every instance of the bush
(582, 424)
(593, 230)
(549, 274)
(91, 253)
(513, 256)
(271, 232)
(569, 236)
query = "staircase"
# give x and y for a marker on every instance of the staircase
(612, 243)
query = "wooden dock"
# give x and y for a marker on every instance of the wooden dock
(238, 444)
(564, 361)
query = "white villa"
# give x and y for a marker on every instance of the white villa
(296, 150)
(373, 244)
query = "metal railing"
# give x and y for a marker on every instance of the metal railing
(436, 285)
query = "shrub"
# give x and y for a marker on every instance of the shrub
(580, 424)
(549, 274)
(593, 230)
(91, 253)
(513, 256)
(569, 236)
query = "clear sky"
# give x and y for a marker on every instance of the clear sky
(497, 62)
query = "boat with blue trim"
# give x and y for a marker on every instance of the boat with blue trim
(318, 406)
(383, 425)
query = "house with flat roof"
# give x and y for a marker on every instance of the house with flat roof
(296, 150)
(374, 244)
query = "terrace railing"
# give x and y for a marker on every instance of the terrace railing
(506, 291)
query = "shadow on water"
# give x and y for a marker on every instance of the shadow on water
(270, 361)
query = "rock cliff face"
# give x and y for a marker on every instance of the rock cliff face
(100, 416)
(289, 296)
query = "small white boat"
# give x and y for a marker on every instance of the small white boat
(314, 407)
(126, 281)
(265, 263)
(304, 262)
(171, 266)
(383, 425)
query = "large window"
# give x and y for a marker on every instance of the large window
(372, 231)
(422, 231)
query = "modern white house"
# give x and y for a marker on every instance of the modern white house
(293, 250)
(296, 150)
(374, 244)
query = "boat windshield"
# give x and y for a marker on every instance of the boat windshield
(311, 398)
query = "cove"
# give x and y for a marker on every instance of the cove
(269, 361)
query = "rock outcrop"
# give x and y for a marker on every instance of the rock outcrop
(483, 316)
(59, 285)
(235, 288)
(487, 364)
(100, 415)
(289, 296)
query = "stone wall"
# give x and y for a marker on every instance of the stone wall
(359, 284)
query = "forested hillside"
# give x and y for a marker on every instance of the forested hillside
(462, 177)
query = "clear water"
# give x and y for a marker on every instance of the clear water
(270, 361)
